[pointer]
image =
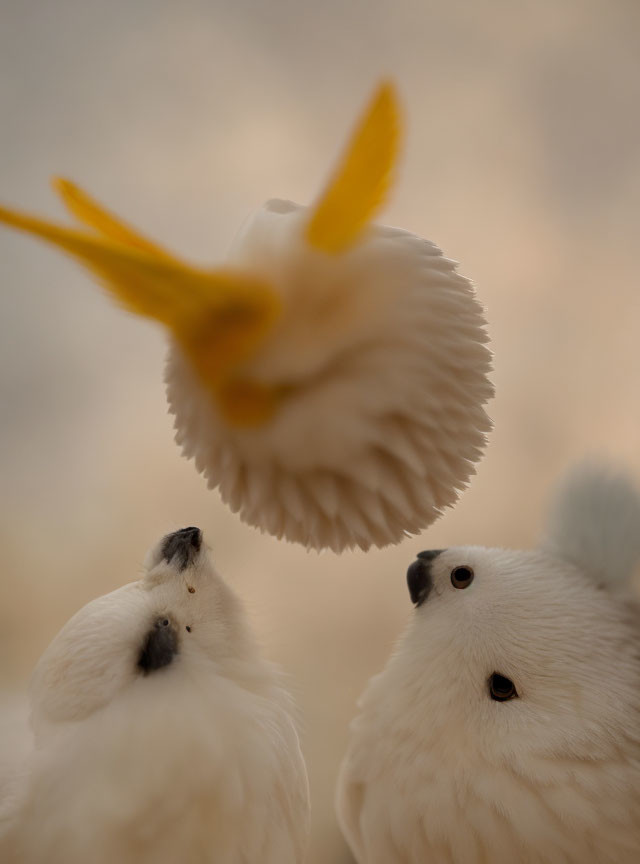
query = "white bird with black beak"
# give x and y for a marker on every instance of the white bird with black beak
(505, 728)
(330, 378)
(161, 735)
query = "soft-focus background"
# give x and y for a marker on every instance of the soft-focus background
(522, 161)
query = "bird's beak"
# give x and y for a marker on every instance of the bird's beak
(219, 317)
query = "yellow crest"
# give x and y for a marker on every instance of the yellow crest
(362, 179)
(221, 316)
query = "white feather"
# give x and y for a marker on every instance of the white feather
(197, 761)
(595, 522)
(384, 352)
(437, 771)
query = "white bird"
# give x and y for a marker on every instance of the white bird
(505, 728)
(161, 735)
(330, 379)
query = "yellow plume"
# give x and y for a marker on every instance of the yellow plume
(219, 316)
(86, 210)
(363, 178)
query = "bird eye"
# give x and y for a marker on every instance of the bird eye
(461, 577)
(502, 689)
(165, 623)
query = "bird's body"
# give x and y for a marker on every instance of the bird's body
(380, 418)
(505, 728)
(161, 736)
(331, 378)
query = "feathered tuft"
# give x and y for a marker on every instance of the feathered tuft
(594, 522)
(331, 379)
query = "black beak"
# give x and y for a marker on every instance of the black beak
(181, 547)
(160, 646)
(420, 577)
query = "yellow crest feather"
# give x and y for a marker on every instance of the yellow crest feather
(219, 316)
(86, 210)
(363, 178)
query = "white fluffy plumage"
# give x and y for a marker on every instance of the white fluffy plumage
(595, 522)
(330, 379)
(156, 743)
(440, 770)
(383, 353)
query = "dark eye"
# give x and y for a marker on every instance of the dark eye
(461, 577)
(502, 689)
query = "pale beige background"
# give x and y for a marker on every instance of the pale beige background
(522, 161)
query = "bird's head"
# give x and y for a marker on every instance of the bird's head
(220, 318)
(178, 618)
(519, 658)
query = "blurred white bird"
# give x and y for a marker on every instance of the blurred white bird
(161, 736)
(505, 728)
(330, 379)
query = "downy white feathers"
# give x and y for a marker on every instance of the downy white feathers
(382, 420)
(595, 522)
(331, 379)
(161, 736)
(506, 726)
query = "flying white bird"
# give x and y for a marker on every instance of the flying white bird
(161, 736)
(505, 728)
(330, 378)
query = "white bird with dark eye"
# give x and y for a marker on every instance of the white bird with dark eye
(505, 728)
(161, 735)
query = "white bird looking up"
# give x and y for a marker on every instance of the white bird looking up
(160, 734)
